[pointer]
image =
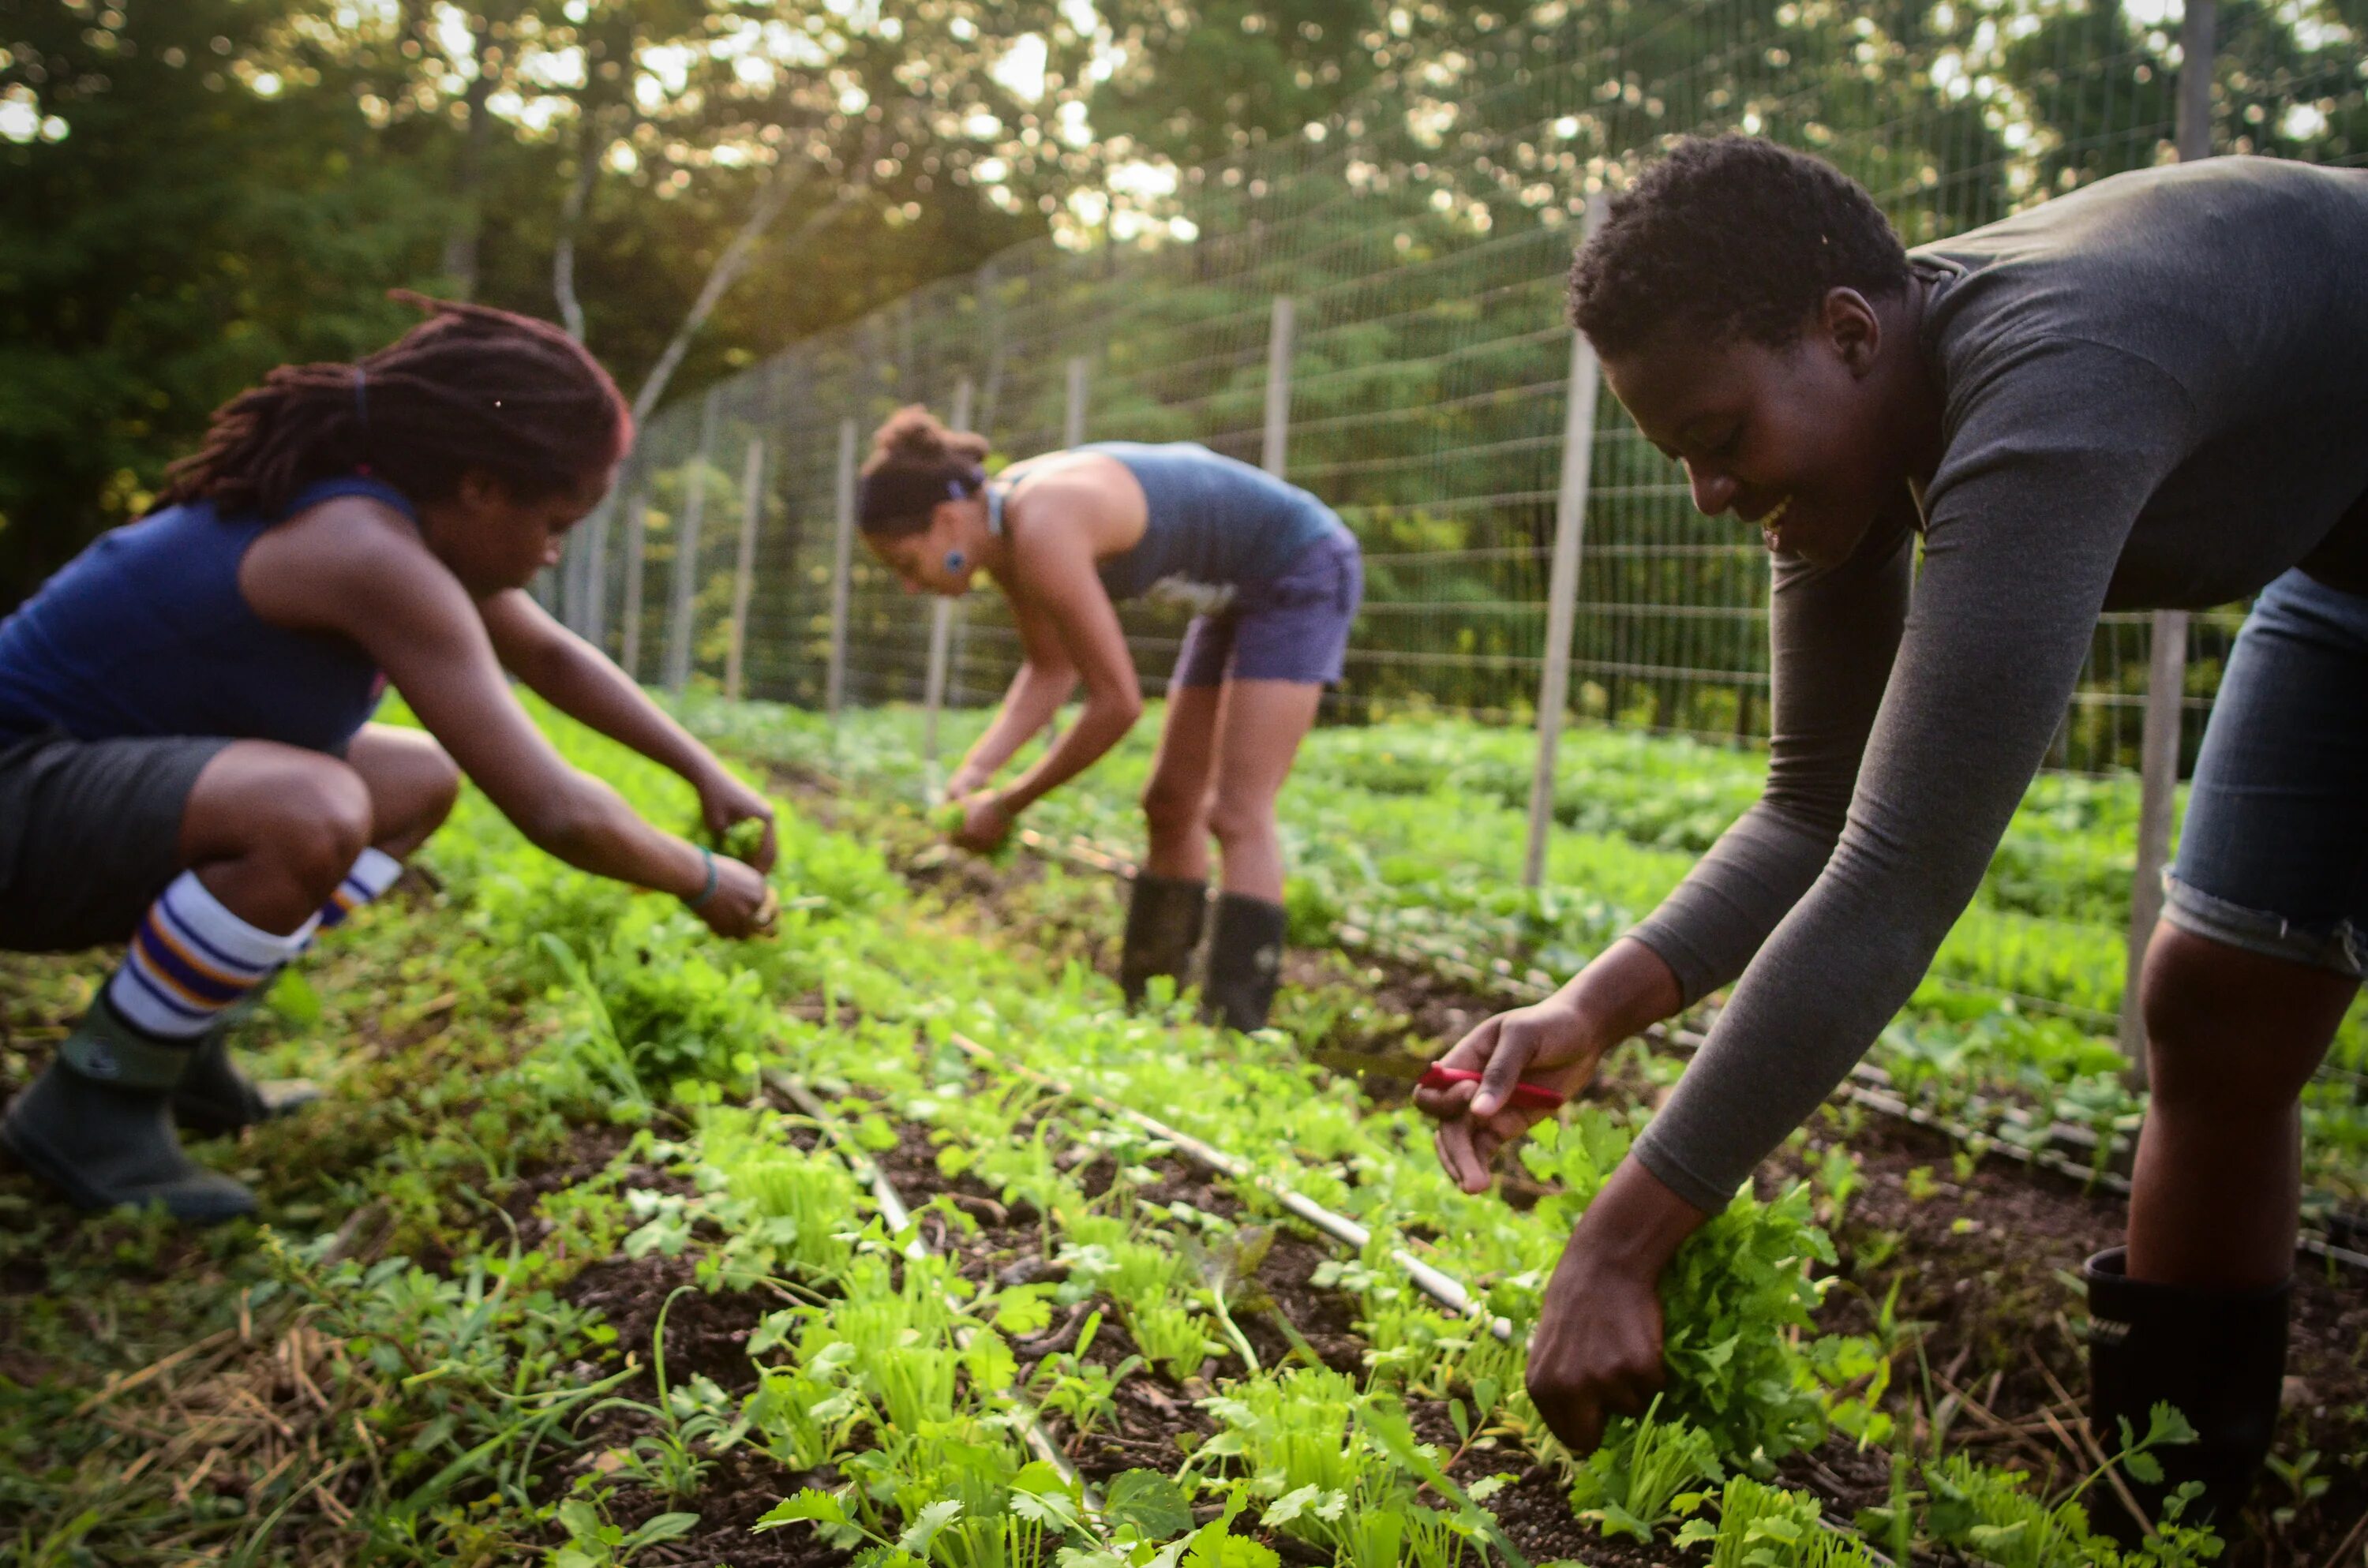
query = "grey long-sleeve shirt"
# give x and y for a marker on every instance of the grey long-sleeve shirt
(2156, 396)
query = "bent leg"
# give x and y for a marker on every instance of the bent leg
(412, 783)
(2232, 1037)
(1176, 798)
(269, 830)
(1258, 732)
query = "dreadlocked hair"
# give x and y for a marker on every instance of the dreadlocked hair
(1733, 236)
(469, 388)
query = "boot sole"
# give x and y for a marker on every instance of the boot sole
(29, 1153)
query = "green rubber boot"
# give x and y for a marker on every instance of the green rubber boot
(1162, 925)
(214, 1098)
(1245, 961)
(97, 1125)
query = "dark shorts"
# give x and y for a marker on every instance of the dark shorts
(1291, 627)
(90, 833)
(2273, 857)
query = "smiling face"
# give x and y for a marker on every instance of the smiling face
(493, 539)
(1795, 440)
(919, 559)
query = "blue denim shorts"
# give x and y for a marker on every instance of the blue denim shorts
(2273, 857)
(1293, 626)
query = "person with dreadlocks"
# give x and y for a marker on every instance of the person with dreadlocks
(1276, 578)
(2146, 393)
(186, 755)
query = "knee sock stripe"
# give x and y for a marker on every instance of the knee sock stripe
(155, 997)
(372, 873)
(162, 916)
(191, 958)
(153, 954)
(159, 931)
(195, 913)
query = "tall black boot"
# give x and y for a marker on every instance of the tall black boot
(2218, 1356)
(1245, 961)
(97, 1124)
(1162, 925)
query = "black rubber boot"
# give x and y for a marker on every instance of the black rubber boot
(1162, 925)
(214, 1097)
(1245, 961)
(2219, 1357)
(97, 1125)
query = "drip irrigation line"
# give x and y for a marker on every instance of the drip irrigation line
(1872, 1090)
(1439, 1286)
(893, 1210)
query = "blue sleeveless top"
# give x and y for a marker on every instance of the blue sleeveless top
(1212, 523)
(146, 634)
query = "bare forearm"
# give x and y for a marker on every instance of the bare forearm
(578, 681)
(1035, 695)
(592, 829)
(1102, 725)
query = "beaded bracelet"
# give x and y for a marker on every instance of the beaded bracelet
(714, 879)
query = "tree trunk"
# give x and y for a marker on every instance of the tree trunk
(461, 240)
(770, 201)
(591, 147)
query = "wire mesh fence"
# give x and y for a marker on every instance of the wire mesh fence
(1421, 241)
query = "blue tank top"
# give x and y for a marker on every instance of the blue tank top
(1212, 524)
(146, 634)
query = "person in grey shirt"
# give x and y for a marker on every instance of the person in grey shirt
(2150, 392)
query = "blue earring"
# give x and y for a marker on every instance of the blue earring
(956, 561)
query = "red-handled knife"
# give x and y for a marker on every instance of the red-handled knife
(1530, 1096)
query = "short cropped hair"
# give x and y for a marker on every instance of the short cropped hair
(1731, 236)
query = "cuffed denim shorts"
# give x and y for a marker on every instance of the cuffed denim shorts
(2273, 857)
(1293, 626)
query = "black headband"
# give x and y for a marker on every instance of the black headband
(909, 495)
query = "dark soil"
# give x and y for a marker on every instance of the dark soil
(1990, 1262)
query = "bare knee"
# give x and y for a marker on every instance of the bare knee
(2232, 1032)
(318, 820)
(1239, 817)
(1172, 808)
(439, 792)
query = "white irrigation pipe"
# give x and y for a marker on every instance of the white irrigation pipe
(893, 1210)
(1872, 1090)
(1439, 1287)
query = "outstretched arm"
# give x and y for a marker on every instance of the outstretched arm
(1055, 581)
(1046, 679)
(582, 683)
(353, 567)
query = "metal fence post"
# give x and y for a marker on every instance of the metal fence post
(752, 510)
(1072, 416)
(1278, 388)
(841, 567)
(636, 530)
(573, 564)
(941, 630)
(2159, 742)
(595, 584)
(685, 554)
(1562, 587)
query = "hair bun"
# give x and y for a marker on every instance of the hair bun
(914, 438)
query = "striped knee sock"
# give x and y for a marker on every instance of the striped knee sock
(191, 958)
(373, 872)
